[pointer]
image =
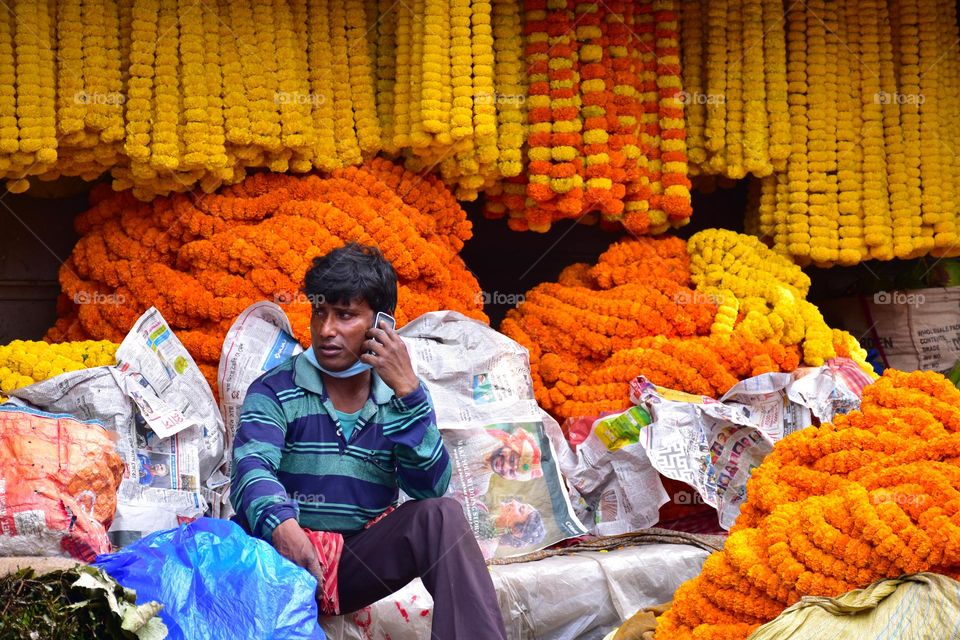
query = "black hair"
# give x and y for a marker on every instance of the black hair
(352, 272)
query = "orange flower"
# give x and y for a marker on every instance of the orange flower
(202, 261)
(874, 494)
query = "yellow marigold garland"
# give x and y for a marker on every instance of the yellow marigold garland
(23, 363)
(770, 292)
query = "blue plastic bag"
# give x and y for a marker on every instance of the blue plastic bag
(214, 581)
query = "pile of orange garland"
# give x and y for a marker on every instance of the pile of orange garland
(873, 495)
(202, 260)
(697, 317)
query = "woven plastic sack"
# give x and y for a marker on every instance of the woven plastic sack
(58, 484)
(216, 582)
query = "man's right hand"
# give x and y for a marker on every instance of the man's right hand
(293, 544)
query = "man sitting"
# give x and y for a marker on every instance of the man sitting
(326, 439)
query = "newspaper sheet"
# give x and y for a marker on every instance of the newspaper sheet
(505, 472)
(158, 373)
(713, 445)
(164, 476)
(259, 339)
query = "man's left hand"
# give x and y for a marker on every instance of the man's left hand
(391, 360)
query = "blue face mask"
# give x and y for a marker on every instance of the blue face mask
(354, 369)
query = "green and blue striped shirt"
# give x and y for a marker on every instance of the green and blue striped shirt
(291, 459)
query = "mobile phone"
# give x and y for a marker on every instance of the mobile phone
(385, 317)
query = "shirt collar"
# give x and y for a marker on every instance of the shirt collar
(309, 377)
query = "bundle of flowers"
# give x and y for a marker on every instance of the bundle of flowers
(697, 316)
(606, 122)
(202, 260)
(735, 87)
(23, 362)
(169, 95)
(762, 296)
(846, 114)
(872, 495)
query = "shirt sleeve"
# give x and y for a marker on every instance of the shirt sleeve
(255, 491)
(423, 465)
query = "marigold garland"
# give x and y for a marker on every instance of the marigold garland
(770, 293)
(23, 362)
(872, 495)
(202, 261)
(862, 161)
(697, 316)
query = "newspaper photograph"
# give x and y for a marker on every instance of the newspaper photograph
(159, 375)
(505, 467)
(512, 495)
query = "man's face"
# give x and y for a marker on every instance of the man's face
(338, 331)
(505, 462)
(513, 513)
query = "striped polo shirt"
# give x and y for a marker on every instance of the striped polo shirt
(291, 459)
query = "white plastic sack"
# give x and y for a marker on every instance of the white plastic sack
(581, 596)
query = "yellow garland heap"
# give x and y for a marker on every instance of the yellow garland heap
(168, 95)
(854, 152)
(23, 362)
(762, 296)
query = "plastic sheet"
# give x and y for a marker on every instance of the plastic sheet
(216, 582)
(58, 483)
(581, 596)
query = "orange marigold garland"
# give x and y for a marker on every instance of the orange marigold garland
(202, 261)
(696, 316)
(872, 495)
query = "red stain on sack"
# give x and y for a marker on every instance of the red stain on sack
(403, 612)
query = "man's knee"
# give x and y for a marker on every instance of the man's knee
(445, 511)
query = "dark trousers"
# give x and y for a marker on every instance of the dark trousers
(431, 540)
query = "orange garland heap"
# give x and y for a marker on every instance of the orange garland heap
(598, 327)
(874, 495)
(202, 259)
